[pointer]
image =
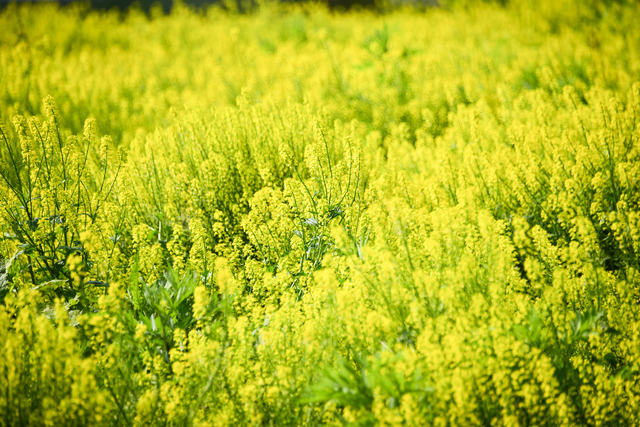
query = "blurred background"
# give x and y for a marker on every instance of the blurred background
(239, 5)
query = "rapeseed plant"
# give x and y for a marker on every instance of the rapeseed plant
(297, 217)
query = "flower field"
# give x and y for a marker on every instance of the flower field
(299, 217)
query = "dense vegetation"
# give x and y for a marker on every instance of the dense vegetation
(293, 217)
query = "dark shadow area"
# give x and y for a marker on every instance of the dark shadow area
(241, 5)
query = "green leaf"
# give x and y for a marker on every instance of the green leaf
(134, 288)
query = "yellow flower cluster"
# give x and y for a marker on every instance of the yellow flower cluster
(298, 217)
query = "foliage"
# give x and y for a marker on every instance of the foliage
(45, 380)
(296, 217)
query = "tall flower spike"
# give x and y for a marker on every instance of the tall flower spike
(50, 109)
